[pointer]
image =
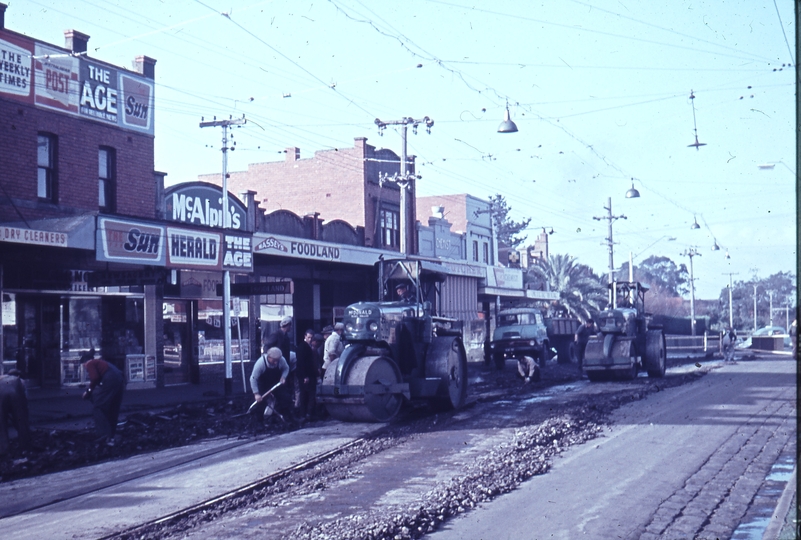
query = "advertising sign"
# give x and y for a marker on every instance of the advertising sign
(238, 254)
(31, 236)
(57, 77)
(98, 92)
(130, 241)
(193, 249)
(16, 77)
(200, 203)
(286, 246)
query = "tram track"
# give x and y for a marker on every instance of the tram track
(324, 469)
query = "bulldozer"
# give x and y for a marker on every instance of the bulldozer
(397, 351)
(627, 342)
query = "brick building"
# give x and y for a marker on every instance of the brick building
(340, 184)
(77, 139)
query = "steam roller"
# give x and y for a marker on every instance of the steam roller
(397, 352)
(626, 341)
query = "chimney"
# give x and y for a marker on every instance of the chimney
(146, 66)
(75, 41)
(3, 15)
(292, 153)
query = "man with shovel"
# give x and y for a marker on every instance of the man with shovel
(269, 377)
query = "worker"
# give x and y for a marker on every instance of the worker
(528, 369)
(581, 337)
(13, 410)
(405, 293)
(270, 369)
(106, 387)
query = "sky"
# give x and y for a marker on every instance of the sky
(605, 94)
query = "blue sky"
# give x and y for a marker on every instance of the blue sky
(600, 92)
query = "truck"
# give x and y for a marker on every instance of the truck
(519, 332)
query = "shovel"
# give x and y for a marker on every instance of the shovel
(255, 402)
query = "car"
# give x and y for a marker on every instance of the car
(519, 332)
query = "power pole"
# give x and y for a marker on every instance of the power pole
(611, 244)
(770, 313)
(226, 311)
(755, 308)
(731, 316)
(692, 252)
(405, 180)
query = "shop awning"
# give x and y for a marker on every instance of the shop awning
(71, 232)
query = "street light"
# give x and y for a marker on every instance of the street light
(632, 193)
(507, 126)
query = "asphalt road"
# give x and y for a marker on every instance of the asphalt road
(687, 462)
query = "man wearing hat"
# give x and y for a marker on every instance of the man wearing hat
(270, 369)
(404, 292)
(333, 346)
(279, 338)
(106, 385)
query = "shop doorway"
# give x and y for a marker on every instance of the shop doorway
(39, 337)
(178, 332)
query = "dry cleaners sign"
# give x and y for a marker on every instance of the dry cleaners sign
(200, 203)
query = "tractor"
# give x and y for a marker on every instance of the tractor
(626, 341)
(397, 351)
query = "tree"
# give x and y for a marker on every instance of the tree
(781, 285)
(661, 273)
(506, 230)
(582, 293)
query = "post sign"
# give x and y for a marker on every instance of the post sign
(128, 241)
(53, 78)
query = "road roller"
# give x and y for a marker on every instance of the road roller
(397, 351)
(627, 342)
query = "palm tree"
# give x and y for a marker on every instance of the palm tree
(581, 291)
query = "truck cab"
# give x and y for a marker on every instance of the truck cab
(519, 332)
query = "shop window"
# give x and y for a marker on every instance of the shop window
(46, 167)
(390, 228)
(106, 184)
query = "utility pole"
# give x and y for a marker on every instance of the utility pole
(404, 180)
(226, 222)
(755, 307)
(692, 252)
(731, 315)
(611, 244)
(770, 313)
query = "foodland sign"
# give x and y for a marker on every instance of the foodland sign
(200, 203)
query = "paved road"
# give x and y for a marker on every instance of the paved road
(684, 463)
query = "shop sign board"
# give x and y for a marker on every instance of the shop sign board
(188, 248)
(126, 278)
(200, 203)
(503, 277)
(238, 254)
(287, 246)
(32, 236)
(136, 242)
(195, 284)
(258, 289)
(52, 78)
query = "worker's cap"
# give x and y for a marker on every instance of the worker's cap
(286, 321)
(401, 286)
(318, 337)
(328, 329)
(274, 353)
(339, 326)
(85, 357)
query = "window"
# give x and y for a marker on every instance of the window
(486, 253)
(390, 228)
(106, 192)
(475, 250)
(46, 167)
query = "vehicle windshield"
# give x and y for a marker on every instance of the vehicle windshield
(515, 319)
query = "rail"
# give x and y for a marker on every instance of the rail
(694, 344)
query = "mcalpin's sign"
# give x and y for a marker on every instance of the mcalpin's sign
(200, 203)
